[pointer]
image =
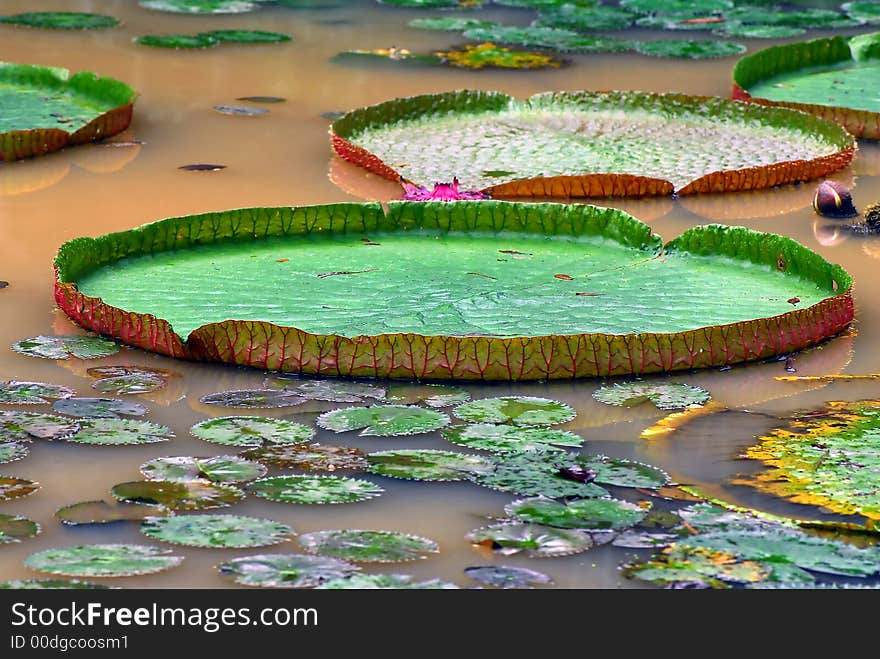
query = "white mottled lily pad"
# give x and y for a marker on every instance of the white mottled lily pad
(505, 576)
(15, 488)
(12, 451)
(427, 464)
(535, 540)
(15, 528)
(221, 531)
(502, 438)
(368, 546)
(218, 469)
(314, 489)
(310, 457)
(14, 392)
(120, 432)
(253, 398)
(66, 346)
(286, 570)
(518, 410)
(27, 426)
(103, 560)
(590, 514)
(191, 495)
(103, 408)
(385, 582)
(251, 431)
(334, 391)
(665, 395)
(383, 420)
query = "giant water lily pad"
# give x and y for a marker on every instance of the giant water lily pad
(218, 469)
(27, 426)
(518, 410)
(368, 546)
(383, 420)
(32, 393)
(309, 457)
(61, 20)
(718, 295)
(314, 489)
(286, 570)
(251, 431)
(638, 143)
(46, 109)
(119, 432)
(427, 464)
(827, 458)
(189, 495)
(833, 78)
(103, 560)
(220, 531)
(536, 540)
(65, 346)
(592, 514)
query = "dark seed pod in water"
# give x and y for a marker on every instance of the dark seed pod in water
(833, 200)
(872, 217)
(577, 473)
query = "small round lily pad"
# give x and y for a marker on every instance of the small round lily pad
(50, 584)
(191, 495)
(103, 560)
(98, 408)
(334, 391)
(666, 396)
(119, 432)
(286, 570)
(178, 41)
(504, 438)
(61, 20)
(535, 540)
(744, 31)
(251, 431)
(452, 23)
(120, 370)
(15, 488)
(368, 546)
(221, 531)
(537, 473)
(26, 426)
(12, 451)
(622, 473)
(131, 383)
(241, 110)
(102, 512)
(518, 410)
(427, 464)
(66, 346)
(689, 48)
(310, 457)
(15, 528)
(488, 55)
(314, 489)
(677, 6)
(201, 6)
(218, 469)
(506, 576)
(246, 36)
(14, 392)
(253, 398)
(590, 514)
(385, 582)
(383, 420)
(432, 395)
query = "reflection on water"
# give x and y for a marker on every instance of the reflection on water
(284, 158)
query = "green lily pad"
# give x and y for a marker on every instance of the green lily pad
(745, 31)
(178, 41)
(622, 473)
(12, 451)
(253, 398)
(432, 395)
(679, 22)
(63, 347)
(119, 432)
(221, 531)
(453, 23)
(314, 489)
(310, 457)
(865, 11)
(334, 391)
(385, 582)
(191, 495)
(286, 570)
(133, 383)
(826, 458)
(101, 408)
(806, 17)
(583, 19)
(505, 576)
(536, 473)
(590, 514)
(456, 320)
(246, 36)
(368, 546)
(504, 438)
(421, 3)
(665, 396)
(15, 488)
(50, 584)
(518, 410)
(634, 539)
(540, 4)
(200, 6)
(690, 49)
(217, 469)
(566, 41)
(831, 77)
(677, 6)
(26, 426)
(251, 431)
(61, 20)
(15, 528)
(103, 560)
(383, 420)
(427, 464)
(535, 540)
(14, 392)
(101, 512)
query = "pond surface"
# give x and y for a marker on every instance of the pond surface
(284, 158)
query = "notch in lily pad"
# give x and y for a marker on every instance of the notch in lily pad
(369, 546)
(383, 420)
(252, 431)
(314, 489)
(66, 346)
(217, 469)
(665, 396)
(286, 570)
(189, 495)
(15, 392)
(111, 560)
(518, 410)
(217, 531)
(427, 464)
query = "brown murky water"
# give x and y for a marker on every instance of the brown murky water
(284, 159)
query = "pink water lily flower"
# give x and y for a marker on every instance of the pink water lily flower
(441, 192)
